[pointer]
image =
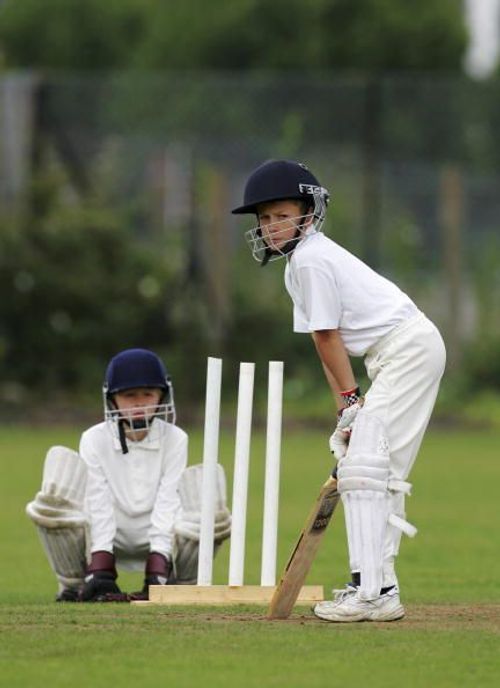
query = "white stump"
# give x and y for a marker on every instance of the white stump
(272, 475)
(240, 477)
(209, 480)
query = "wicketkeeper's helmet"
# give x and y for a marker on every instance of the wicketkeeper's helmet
(133, 369)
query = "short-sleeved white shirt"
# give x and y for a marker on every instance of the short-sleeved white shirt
(136, 491)
(332, 289)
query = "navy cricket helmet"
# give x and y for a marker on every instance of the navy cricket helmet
(280, 180)
(134, 369)
(277, 180)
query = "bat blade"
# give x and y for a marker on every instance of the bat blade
(305, 550)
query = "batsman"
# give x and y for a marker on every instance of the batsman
(127, 499)
(352, 311)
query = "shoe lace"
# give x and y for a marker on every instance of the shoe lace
(340, 594)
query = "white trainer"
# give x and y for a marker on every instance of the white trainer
(349, 607)
(338, 596)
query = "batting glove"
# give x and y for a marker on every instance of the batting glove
(339, 440)
(100, 578)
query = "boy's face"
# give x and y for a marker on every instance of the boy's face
(279, 221)
(137, 399)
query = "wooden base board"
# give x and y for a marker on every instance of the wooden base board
(224, 594)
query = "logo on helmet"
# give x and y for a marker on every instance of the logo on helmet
(310, 189)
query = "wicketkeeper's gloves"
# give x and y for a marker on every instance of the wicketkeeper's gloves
(159, 571)
(100, 578)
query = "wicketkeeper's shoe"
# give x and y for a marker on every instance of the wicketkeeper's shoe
(67, 595)
(349, 607)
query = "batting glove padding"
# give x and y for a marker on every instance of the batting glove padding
(339, 440)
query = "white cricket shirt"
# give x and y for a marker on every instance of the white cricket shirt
(136, 492)
(331, 289)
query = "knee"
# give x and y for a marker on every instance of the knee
(64, 474)
(366, 473)
(366, 464)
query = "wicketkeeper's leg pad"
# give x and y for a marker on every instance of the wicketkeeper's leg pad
(57, 511)
(188, 522)
(187, 527)
(186, 559)
(65, 549)
(59, 503)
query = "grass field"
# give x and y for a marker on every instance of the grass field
(449, 576)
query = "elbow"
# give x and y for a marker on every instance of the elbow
(322, 336)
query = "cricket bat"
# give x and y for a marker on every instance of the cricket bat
(302, 557)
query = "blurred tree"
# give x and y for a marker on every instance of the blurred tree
(305, 34)
(391, 35)
(78, 286)
(70, 34)
(239, 35)
(247, 34)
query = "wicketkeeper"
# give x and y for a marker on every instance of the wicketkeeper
(350, 310)
(127, 499)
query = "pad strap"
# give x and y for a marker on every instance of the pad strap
(403, 525)
(399, 486)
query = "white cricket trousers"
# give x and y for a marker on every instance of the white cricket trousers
(405, 368)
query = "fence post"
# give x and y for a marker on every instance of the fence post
(451, 209)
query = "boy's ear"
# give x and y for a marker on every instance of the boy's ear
(307, 209)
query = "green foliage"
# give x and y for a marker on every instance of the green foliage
(482, 363)
(379, 35)
(77, 286)
(249, 34)
(70, 34)
(293, 34)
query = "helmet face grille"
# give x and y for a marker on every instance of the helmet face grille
(268, 244)
(141, 417)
